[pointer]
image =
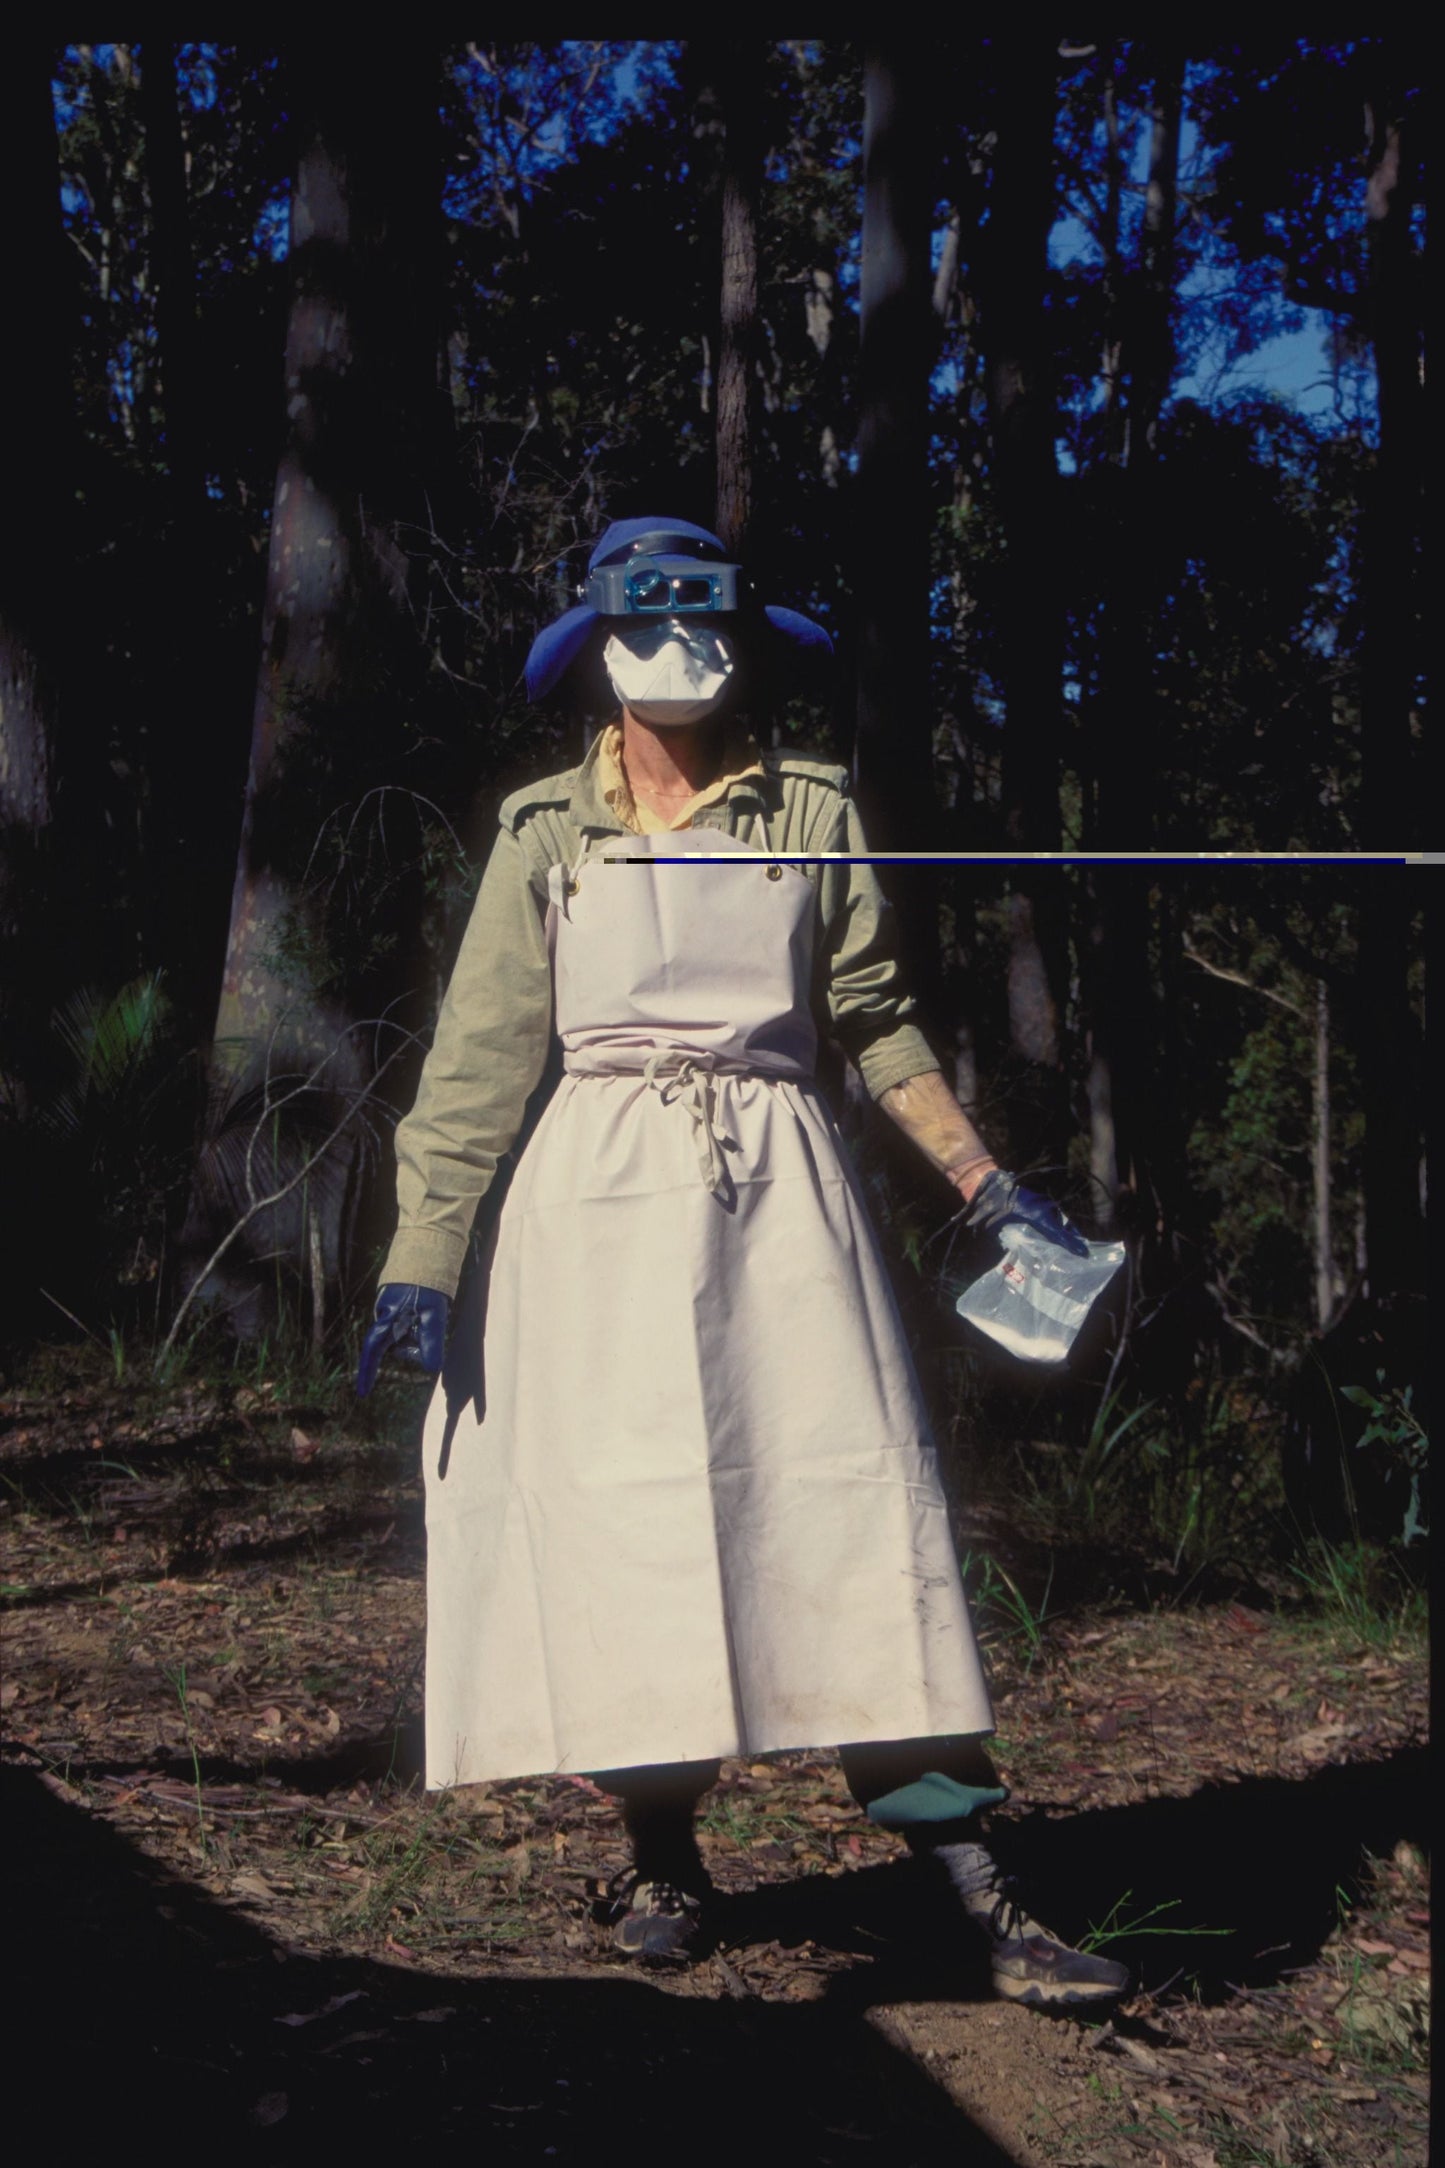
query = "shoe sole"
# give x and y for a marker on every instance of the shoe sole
(654, 1938)
(1058, 1995)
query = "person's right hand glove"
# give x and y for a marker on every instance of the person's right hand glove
(411, 1326)
(1002, 1197)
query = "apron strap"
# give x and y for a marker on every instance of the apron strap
(688, 1081)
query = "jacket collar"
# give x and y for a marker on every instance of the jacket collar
(592, 813)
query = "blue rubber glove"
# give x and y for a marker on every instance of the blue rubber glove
(1002, 1197)
(411, 1325)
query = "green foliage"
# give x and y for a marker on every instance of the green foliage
(1119, 1926)
(1396, 1435)
(1002, 1609)
(97, 1158)
(1362, 1590)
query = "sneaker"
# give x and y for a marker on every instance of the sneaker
(1028, 1963)
(652, 1919)
(1031, 1965)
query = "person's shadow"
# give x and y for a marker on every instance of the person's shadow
(159, 2010)
(144, 2012)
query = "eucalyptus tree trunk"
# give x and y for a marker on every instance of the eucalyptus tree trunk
(1392, 1085)
(1021, 405)
(1021, 401)
(891, 558)
(1121, 1041)
(739, 80)
(338, 629)
(182, 902)
(1139, 365)
(1127, 1147)
(173, 274)
(1389, 816)
(35, 537)
(1322, 1237)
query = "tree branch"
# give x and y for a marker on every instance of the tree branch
(271, 1107)
(1237, 978)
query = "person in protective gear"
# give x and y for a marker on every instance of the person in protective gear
(701, 1514)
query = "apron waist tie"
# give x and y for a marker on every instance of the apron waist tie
(687, 1080)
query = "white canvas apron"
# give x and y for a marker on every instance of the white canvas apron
(703, 1514)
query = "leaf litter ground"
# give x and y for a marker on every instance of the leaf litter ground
(231, 1895)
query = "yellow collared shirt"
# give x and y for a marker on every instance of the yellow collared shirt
(741, 759)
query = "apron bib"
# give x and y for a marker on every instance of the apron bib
(702, 1515)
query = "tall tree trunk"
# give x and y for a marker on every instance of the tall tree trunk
(1039, 1118)
(1389, 815)
(1103, 1051)
(1021, 404)
(35, 595)
(1322, 1238)
(891, 555)
(184, 903)
(1140, 358)
(361, 391)
(173, 273)
(894, 744)
(1152, 364)
(1124, 1036)
(739, 81)
(1021, 400)
(1391, 1086)
(1129, 1149)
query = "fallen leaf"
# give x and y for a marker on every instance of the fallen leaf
(398, 1949)
(270, 2108)
(1319, 1740)
(251, 1884)
(304, 1448)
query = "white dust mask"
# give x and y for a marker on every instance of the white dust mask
(670, 672)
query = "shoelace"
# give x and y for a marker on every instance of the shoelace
(987, 1892)
(686, 1082)
(1006, 1915)
(664, 1898)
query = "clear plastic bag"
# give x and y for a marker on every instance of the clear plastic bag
(1038, 1294)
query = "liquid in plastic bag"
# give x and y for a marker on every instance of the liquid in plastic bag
(1038, 1294)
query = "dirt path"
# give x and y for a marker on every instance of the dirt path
(231, 1899)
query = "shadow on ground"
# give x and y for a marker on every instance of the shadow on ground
(165, 2010)
(1264, 1862)
(169, 2008)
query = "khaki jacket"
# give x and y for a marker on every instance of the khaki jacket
(495, 1026)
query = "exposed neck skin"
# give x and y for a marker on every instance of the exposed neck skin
(670, 765)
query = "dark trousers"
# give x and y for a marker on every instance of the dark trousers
(658, 1801)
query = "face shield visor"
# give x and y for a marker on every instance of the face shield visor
(669, 671)
(657, 585)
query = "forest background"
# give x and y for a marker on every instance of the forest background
(1076, 388)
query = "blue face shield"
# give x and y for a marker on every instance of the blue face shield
(668, 569)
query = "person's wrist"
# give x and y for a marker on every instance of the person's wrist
(967, 1176)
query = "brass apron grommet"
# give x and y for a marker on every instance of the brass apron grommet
(775, 873)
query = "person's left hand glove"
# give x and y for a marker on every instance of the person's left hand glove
(411, 1324)
(1002, 1197)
